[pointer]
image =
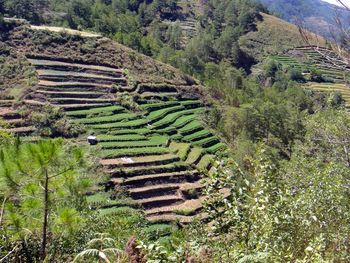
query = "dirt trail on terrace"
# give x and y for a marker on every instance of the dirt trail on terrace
(67, 30)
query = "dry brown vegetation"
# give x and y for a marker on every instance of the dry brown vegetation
(100, 51)
(273, 36)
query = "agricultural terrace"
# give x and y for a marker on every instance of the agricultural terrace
(158, 153)
(308, 60)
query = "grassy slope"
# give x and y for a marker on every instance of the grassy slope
(273, 36)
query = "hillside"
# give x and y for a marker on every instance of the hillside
(146, 115)
(316, 15)
(273, 36)
(170, 131)
(321, 75)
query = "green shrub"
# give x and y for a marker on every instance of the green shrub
(154, 232)
(184, 212)
(52, 122)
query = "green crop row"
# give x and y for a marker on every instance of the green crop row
(167, 168)
(159, 114)
(176, 137)
(191, 103)
(215, 148)
(194, 155)
(172, 117)
(205, 162)
(167, 120)
(158, 106)
(168, 130)
(127, 137)
(182, 121)
(191, 127)
(99, 110)
(152, 142)
(182, 149)
(133, 152)
(207, 142)
(122, 125)
(143, 131)
(197, 135)
(104, 119)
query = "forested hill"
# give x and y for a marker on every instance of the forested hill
(317, 15)
(172, 31)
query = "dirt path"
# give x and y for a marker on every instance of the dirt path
(67, 30)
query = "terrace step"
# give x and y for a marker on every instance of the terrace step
(197, 136)
(20, 130)
(194, 205)
(15, 122)
(154, 191)
(82, 106)
(9, 114)
(207, 142)
(171, 118)
(159, 201)
(109, 119)
(186, 187)
(167, 215)
(160, 96)
(168, 218)
(121, 138)
(130, 124)
(137, 171)
(59, 65)
(109, 110)
(71, 85)
(194, 156)
(63, 75)
(158, 106)
(71, 94)
(60, 101)
(205, 162)
(130, 144)
(161, 178)
(143, 131)
(151, 160)
(145, 151)
(82, 80)
(34, 103)
(6, 103)
(191, 128)
(215, 148)
(142, 88)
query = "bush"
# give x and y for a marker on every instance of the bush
(296, 75)
(51, 122)
(316, 76)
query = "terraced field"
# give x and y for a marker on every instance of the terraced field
(158, 154)
(189, 11)
(74, 86)
(11, 121)
(306, 59)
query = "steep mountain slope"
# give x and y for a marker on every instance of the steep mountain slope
(316, 15)
(273, 36)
